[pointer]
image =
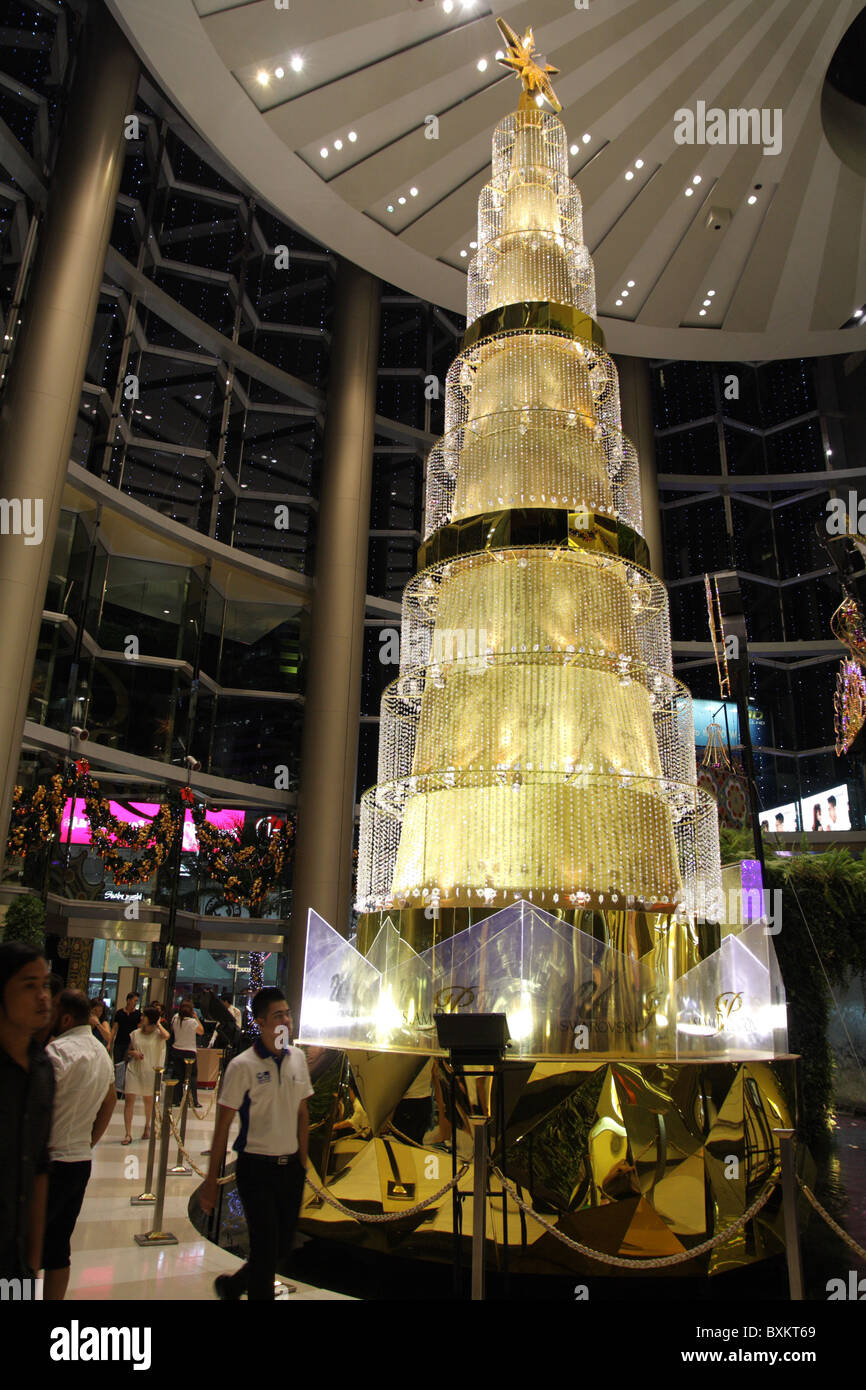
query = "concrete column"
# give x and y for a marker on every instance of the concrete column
(44, 386)
(637, 422)
(326, 801)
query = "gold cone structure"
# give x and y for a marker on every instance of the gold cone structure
(535, 744)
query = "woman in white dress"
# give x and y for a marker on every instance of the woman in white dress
(146, 1053)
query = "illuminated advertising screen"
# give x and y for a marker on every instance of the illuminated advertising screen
(138, 813)
(825, 811)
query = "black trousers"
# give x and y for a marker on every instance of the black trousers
(271, 1194)
(67, 1183)
(177, 1067)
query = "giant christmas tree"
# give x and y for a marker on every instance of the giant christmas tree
(536, 843)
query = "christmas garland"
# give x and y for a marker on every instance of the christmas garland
(246, 874)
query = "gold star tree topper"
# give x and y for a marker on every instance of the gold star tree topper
(519, 57)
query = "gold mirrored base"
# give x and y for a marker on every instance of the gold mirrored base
(636, 1159)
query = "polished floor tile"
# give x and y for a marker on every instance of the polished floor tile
(107, 1265)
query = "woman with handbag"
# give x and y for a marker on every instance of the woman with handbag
(185, 1028)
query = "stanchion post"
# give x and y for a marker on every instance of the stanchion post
(148, 1196)
(181, 1169)
(157, 1236)
(789, 1207)
(220, 1058)
(479, 1203)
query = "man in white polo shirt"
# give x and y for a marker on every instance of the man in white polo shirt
(267, 1086)
(84, 1099)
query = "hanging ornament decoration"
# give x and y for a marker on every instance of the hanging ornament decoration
(247, 874)
(849, 704)
(717, 633)
(848, 624)
(715, 755)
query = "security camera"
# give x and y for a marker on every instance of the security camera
(192, 763)
(81, 734)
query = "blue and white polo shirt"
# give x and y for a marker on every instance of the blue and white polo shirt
(267, 1091)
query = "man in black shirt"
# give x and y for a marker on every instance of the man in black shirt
(123, 1025)
(26, 1100)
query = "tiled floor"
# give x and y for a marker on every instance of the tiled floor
(106, 1262)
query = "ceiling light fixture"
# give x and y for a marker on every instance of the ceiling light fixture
(710, 293)
(353, 135)
(707, 303)
(703, 313)
(751, 199)
(413, 192)
(263, 77)
(473, 245)
(586, 139)
(296, 63)
(499, 55)
(624, 294)
(630, 284)
(401, 201)
(573, 149)
(638, 164)
(338, 144)
(481, 65)
(448, 6)
(619, 301)
(390, 207)
(696, 180)
(689, 192)
(464, 253)
(629, 173)
(858, 313)
(323, 152)
(279, 72)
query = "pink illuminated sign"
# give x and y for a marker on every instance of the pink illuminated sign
(141, 812)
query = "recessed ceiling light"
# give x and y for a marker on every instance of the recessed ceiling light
(710, 293)
(630, 284)
(629, 173)
(297, 62)
(448, 6)
(703, 313)
(689, 192)
(751, 199)
(499, 55)
(263, 77)
(619, 301)
(338, 144)
(624, 294)
(481, 65)
(413, 192)
(353, 135)
(574, 149)
(473, 245)
(638, 164)
(696, 180)
(279, 72)
(586, 139)
(390, 207)
(858, 313)
(707, 303)
(401, 201)
(323, 152)
(464, 253)
(197, 398)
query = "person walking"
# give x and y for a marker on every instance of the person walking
(122, 1025)
(269, 1085)
(26, 1100)
(146, 1053)
(186, 1026)
(83, 1105)
(99, 1027)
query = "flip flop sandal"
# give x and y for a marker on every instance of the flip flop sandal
(126, 1141)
